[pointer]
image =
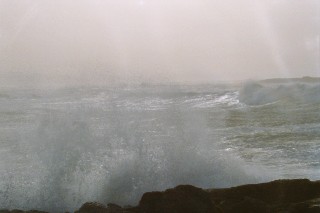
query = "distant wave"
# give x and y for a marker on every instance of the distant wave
(209, 101)
(253, 93)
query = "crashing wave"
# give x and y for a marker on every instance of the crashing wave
(253, 93)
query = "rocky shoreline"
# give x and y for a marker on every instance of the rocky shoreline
(285, 196)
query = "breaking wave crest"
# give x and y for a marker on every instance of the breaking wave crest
(253, 93)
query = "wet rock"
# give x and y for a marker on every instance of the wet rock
(281, 196)
(93, 207)
(35, 211)
(244, 205)
(276, 196)
(20, 211)
(182, 199)
(310, 206)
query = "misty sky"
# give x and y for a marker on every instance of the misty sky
(104, 41)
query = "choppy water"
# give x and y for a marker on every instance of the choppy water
(61, 148)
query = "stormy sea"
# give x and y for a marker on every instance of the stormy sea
(60, 148)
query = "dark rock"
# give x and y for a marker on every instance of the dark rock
(280, 191)
(310, 206)
(281, 196)
(182, 199)
(20, 211)
(35, 211)
(245, 205)
(276, 196)
(93, 207)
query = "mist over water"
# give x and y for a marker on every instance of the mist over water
(105, 100)
(61, 148)
(63, 43)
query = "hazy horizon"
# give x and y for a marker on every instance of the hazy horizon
(97, 42)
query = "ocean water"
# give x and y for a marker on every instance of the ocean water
(61, 148)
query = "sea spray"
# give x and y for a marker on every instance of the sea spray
(112, 145)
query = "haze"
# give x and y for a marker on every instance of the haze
(101, 42)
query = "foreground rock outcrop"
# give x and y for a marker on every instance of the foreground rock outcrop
(185, 198)
(277, 196)
(282, 196)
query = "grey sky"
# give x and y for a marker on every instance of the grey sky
(103, 41)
